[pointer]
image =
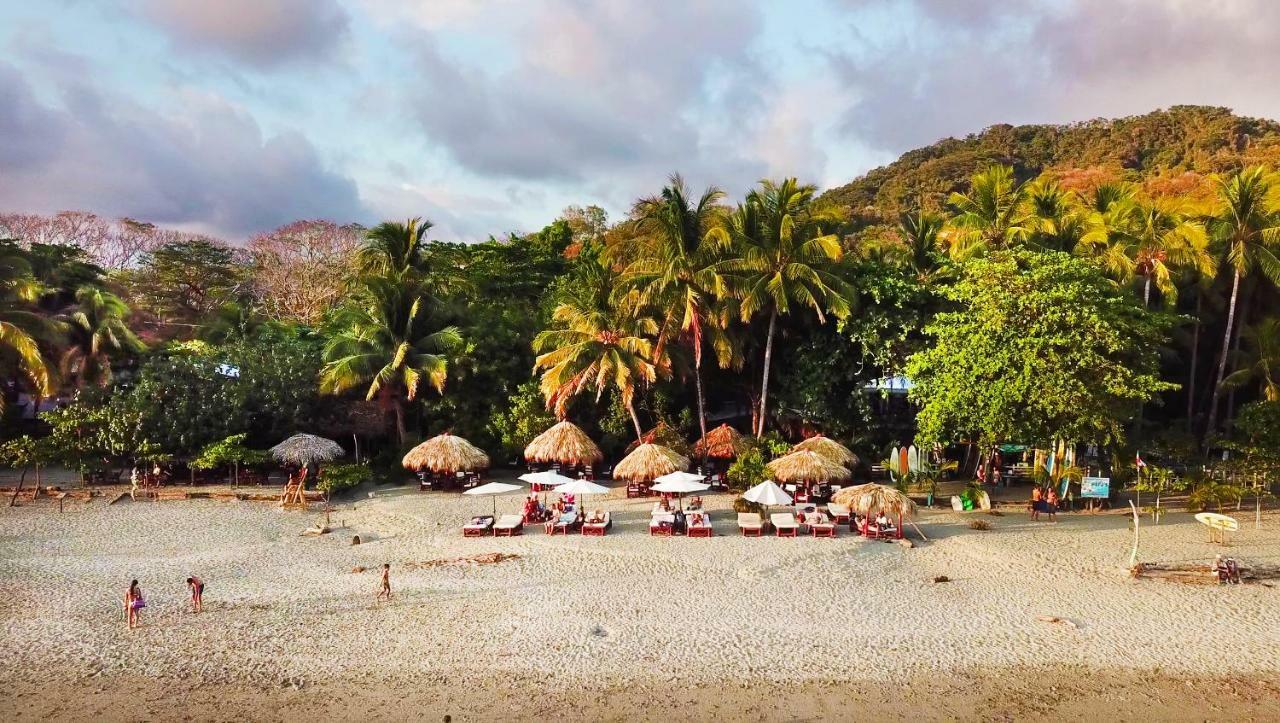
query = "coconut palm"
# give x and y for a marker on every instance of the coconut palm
(992, 215)
(594, 344)
(393, 247)
(1248, 226)
(788, 255)
(1058, 220)
(96, 333)
(675, 269)
(1261, 359)
(1149, 240)
(21, 327)
(388, 338)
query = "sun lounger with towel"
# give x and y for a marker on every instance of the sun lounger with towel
(478, 527)
(509, 525)
(840, 513)
(700, 525)
(597, 528)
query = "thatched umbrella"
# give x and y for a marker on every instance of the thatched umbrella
(648, 462)
(806, 466)
(665, 436)
(869, 498)
(305, 450)
(723, 442)
(565, 443)
(446, 454)
(829, 448)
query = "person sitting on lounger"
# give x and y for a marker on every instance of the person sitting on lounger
(695, 503)
(882, 522)
(664, 504)
(697, 519)
(597, 517)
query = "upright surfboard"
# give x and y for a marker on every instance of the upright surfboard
(893, 461)
(902, 460)
(913, 459)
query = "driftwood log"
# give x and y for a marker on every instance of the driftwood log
(1200, 573)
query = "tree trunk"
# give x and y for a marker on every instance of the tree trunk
(1146, 292)
(702, 405)
(400, 429)
(631, 408)
(1195, 358)
(768, 359)
(1246, 299)
(21, 478)
(1222, 361)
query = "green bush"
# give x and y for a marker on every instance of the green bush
(747, 470)
(338, 477)
(745, 505)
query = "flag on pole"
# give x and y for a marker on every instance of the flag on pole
(1137, 460)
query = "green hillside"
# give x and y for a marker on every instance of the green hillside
(1167, 149)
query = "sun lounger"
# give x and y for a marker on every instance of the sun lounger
(784, 524)
(703, 530)
(567, 521)
(824, 529)
(597, 528)
(662, 524)
(751, 524)
(508, 525)
(478, 527)
(839, 513)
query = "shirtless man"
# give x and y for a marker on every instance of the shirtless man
(384, 588)
(196, 585)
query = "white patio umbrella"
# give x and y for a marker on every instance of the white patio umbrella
(581, 487)
(767, 493)
(549, 478)
(679, 483)
(493, 489)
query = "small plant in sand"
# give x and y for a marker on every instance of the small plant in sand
(981, 525)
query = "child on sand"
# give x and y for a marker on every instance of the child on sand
(196, 585)
(133, 602)
(384, 588)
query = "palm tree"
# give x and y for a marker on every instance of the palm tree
(1149, 240)
(387, 338)
(1057, 220)
(393, 247)
(675, 267)
(20, 327)
(96, 332)
(788, 255)
(1248, 226)
(992, 215)
(1262, 360)
(594, 344)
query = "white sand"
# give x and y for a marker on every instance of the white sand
(286, 610)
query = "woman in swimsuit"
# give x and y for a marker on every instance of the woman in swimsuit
(133, 602)
(196, 585)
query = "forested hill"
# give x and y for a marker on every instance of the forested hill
(1158, 149)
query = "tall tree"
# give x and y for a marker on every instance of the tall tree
(1149, 240)
(388, 338)
(394, 247)
(594, 344)
(992, 215)
(787, 255)
(302, 269)
(1248, 227)
(675, 270)
(183, 281)
(96, 335)
(1260, 359)
(21, 326)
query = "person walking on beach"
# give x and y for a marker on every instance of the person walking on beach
(196, 585)
(1035, 502)
(384, 587)
(133, 602)
(1051, 505)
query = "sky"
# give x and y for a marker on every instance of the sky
(490, 116)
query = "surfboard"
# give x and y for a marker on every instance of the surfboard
(893, 461)
(1218, 522)
(902, 460)
(913, 459)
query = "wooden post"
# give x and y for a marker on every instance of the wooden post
(1133, 558)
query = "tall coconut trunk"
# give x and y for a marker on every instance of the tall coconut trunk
(768, 359)
(702, 405)
(401, 432)
(635, 420)
(1246, 302)
(1195, 359)
(1222, 360)
(1146, 292)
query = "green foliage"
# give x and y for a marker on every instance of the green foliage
(228, 451)
(741, 504)
(748, 470)
(524, 417)
(1040, 346)
(338, 477)
(26, 451)
(184, 281)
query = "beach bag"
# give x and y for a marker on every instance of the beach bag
(138, 603)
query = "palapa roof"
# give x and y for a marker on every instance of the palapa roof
(806, 466)
(565, 443)
(871, 498)
(665, 436)
(829, 448)
(446, 454)
(306, 449)
(723, 442)
(649, 462)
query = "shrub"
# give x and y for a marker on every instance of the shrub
(743, 504)
(338, 477)
(747, 470)
(982, 525)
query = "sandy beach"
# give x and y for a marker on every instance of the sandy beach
(622, 627)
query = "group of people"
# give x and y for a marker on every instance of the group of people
(1044, 499)
(135, 601)
(880, 524)
(535, 511)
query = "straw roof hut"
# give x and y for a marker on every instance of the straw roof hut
(565, 443)
(871, 498)
(806, 466)
(446, 454)
(648, 462)
(829, 448)
(304, 450)
(723, 442)
(665, 436)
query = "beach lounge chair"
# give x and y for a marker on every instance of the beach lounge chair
(567, 521)
(478, 527)
(823, 529)
(839, 513)
(702, 530)
(784, 524)
(597, 529)
(751, 524)
(662, 524)
(509, 525)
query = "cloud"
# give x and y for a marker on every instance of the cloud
(208, 166)
(955, 72)
(259, 33)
